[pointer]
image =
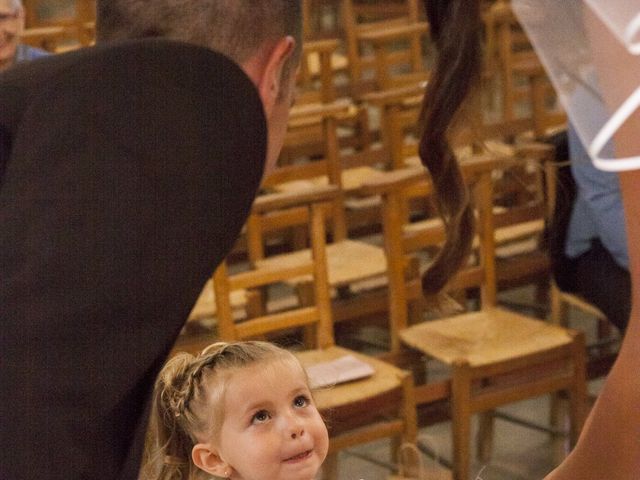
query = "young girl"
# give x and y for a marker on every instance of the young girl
(238, 410)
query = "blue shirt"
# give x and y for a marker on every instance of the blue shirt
(25, 53)
(597, 212)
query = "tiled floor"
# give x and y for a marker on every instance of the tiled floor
(519, 453)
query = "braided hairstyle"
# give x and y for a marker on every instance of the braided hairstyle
(187, 404)
(456, 30)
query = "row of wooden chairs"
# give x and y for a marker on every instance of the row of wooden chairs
(386, 45)
(341, 144)
(510, 61)
(496, 356)
(350, 261)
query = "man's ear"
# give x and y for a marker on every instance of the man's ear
(206, 458)
(270, 82)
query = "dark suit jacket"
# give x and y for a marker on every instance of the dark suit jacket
(126, 174)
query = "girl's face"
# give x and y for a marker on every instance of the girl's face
(271, 428)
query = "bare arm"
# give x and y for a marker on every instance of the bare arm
(609, 447)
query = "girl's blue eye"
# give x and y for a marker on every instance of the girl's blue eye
(301, 401)
(260, 417)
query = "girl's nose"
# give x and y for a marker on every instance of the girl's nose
(295, 426)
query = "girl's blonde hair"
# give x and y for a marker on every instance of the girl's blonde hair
(186, 388)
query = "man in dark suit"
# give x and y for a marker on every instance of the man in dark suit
(126, 173)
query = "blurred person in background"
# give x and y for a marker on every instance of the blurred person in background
(12, 17)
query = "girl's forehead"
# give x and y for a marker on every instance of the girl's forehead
(272, 373)
(279, 367)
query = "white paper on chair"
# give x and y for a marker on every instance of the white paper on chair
(340, 370)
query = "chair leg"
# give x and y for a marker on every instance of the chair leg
(461, 419)
(604, 332)
(330, 467)
(408, 410)
(306, 296)
(558, 309)
(578, 391)
(556, 412)
(485, 437)
(560, 444)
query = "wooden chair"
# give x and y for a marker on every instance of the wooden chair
(521, 76)
(357, 268)
(360, 411)
(496, 356)
(520, 206)
(318, 83)
(380, 39)
(203, 313)
(399, 110)
(343, 158)
(603, 352)
(324, 40)
(520, 218)
(322, 159)
(320, 19)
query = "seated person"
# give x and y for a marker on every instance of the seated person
(11, 26)
(595, 262)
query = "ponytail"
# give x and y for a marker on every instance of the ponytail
(456, 31)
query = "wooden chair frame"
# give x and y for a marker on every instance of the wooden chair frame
(349, 405)
(479, 386)
(379, 35)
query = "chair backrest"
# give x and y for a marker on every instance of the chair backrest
(510, 55)
(381, 36)
(315, 82)
(315, 316)
(320, 19)
(402, 237)
(309, 170)
(314, 153)
(518, 189)
(481, 273)
(399, 110)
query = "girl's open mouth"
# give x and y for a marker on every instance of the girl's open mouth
(300, 456)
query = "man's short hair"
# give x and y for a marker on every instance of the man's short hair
(236, 28)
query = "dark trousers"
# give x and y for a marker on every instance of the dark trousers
(594, 275)
(599, 279)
